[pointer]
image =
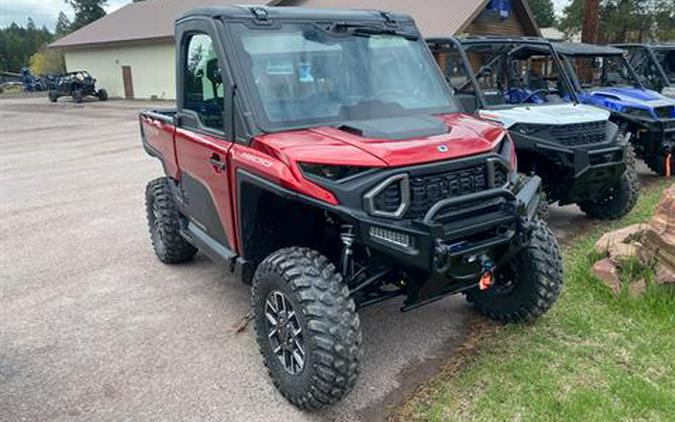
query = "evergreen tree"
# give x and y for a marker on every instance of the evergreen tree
(86, 12)
(62, 25)
(625, 20)
(544, 14)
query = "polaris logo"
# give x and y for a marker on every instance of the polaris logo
(442, 148)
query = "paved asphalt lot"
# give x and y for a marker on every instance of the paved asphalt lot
(93, 327)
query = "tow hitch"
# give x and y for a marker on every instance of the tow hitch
(668, 171)
(487, 268)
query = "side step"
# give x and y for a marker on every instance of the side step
(205, 243)
(221, 254)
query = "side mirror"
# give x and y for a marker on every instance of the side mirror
(213, 72)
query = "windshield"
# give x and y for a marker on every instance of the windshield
(303, 75)
(667, 59)
(602, 72)
(517, 73)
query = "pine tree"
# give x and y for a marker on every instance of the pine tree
(86, 11)
(544, 14)
(62, 25)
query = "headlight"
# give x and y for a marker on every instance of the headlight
(332, 173)
(525, 129)
(637, 112)
(507, 149)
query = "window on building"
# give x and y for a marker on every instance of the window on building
(203, 83)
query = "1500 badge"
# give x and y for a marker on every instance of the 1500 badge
(255, 159)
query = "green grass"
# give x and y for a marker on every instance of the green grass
(593, 357)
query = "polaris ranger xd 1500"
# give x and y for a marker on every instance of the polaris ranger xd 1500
(320, 155)
(520, 83)
(604, 78)
(654, 65)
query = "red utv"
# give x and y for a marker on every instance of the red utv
(319, 155)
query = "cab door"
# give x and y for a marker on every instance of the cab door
(202, 146)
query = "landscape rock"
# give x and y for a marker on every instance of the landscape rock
(653, 244)
(608, 241)
(663, 221)
(606, 271)
(663, 274)
(637, 288)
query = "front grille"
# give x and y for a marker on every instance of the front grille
(665, 112)
(580, 133)
(425, 191)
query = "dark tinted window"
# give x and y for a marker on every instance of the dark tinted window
(203, 81)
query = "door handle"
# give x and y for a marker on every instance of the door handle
(215, 162)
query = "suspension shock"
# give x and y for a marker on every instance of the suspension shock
(347, 257)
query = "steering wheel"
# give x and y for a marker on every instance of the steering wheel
(533, 93)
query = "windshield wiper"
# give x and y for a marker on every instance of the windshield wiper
(369, 30)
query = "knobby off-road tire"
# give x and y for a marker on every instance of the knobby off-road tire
(102, 94)
(619, 200)
(164, 224)
(77, 96)
(53, 96)
(544, 208)
(330, 329)
(528, 286)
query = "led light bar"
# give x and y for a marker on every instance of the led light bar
(390, 236)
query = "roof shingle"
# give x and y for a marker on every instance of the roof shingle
(149, 19)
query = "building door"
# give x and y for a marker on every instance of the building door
(128, 83)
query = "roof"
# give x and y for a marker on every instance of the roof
(581, 49)
(154, 19)
(493, 39)
(149, 19)
(663, 46)
(553, 34)
(433, 17)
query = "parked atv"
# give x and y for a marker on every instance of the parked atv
(319, 155)
(654, 65)
(77, 85)
(603, 77)
(581, 157)
(31, 83)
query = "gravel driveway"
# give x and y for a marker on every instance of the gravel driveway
(93, 327)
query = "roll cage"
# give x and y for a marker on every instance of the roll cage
(437, 43)
(651, 56)
(590, 51)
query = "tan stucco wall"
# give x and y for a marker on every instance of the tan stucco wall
(152, 68)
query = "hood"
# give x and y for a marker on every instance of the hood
(644, 98)
(463, 136)
(546, 114)
(669, 91)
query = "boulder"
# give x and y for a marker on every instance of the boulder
(609, 241)
(663, 274)
(663, 221)
(606, 271)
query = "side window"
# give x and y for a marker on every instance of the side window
(203, 83)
